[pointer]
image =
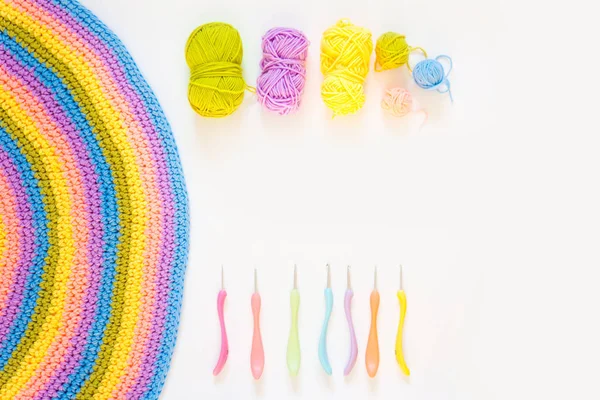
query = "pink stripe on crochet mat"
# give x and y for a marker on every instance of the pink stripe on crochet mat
(26, 243)
(10, 251)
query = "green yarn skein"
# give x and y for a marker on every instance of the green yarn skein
(214, 54)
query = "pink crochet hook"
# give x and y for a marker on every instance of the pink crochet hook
(257, 355)
(224, 343)
(353, 346)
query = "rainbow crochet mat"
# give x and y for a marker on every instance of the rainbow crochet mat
(93, 212)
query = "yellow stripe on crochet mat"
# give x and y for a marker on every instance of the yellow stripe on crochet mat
(132, 298)
(63, 229)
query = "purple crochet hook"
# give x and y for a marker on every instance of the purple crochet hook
(353, 346)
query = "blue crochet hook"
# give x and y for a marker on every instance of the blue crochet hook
(323, 340)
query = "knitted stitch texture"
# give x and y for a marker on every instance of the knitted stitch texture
(93, 212)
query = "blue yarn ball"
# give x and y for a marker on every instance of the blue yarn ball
(429, 74)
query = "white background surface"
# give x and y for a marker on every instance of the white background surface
(492, 207)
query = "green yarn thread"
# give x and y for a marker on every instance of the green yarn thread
(214, 55)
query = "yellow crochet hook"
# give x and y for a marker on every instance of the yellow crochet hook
(399, 353)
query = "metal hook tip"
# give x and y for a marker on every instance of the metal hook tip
(255, 281)
(295, 276)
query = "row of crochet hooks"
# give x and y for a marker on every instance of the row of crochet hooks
(293, 355)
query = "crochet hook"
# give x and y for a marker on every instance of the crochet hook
(257, 355)
(399, 352)
(293, 348)
(372, 356)
(323, 358)
(348, 307)
(224, 343)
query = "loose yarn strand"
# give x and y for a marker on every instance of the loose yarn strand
(214, 55)
(281, 83)
(345, 56)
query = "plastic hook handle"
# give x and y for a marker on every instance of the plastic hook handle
(293, 349)
(399, 351)
(224, 342)
(323, 358)
(372, 356)
(353, 345)
(257, 355)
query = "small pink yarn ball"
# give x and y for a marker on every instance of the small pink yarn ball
(398, 102)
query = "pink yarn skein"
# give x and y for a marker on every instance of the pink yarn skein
(399, 102)
(281, 82)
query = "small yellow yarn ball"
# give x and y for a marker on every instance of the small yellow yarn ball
(345, 56)
(392, 51)
(214, 54)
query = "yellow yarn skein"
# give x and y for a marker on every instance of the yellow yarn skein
(214, 54)
(345, 56)
(392, 51)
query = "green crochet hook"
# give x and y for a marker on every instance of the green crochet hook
(293, 348)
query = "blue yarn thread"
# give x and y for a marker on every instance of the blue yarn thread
(429, 74)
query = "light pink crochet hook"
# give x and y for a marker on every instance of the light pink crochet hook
(257, 355)
(353, 345)
(224, 343)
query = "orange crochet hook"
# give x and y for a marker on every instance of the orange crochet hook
(372, 356)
